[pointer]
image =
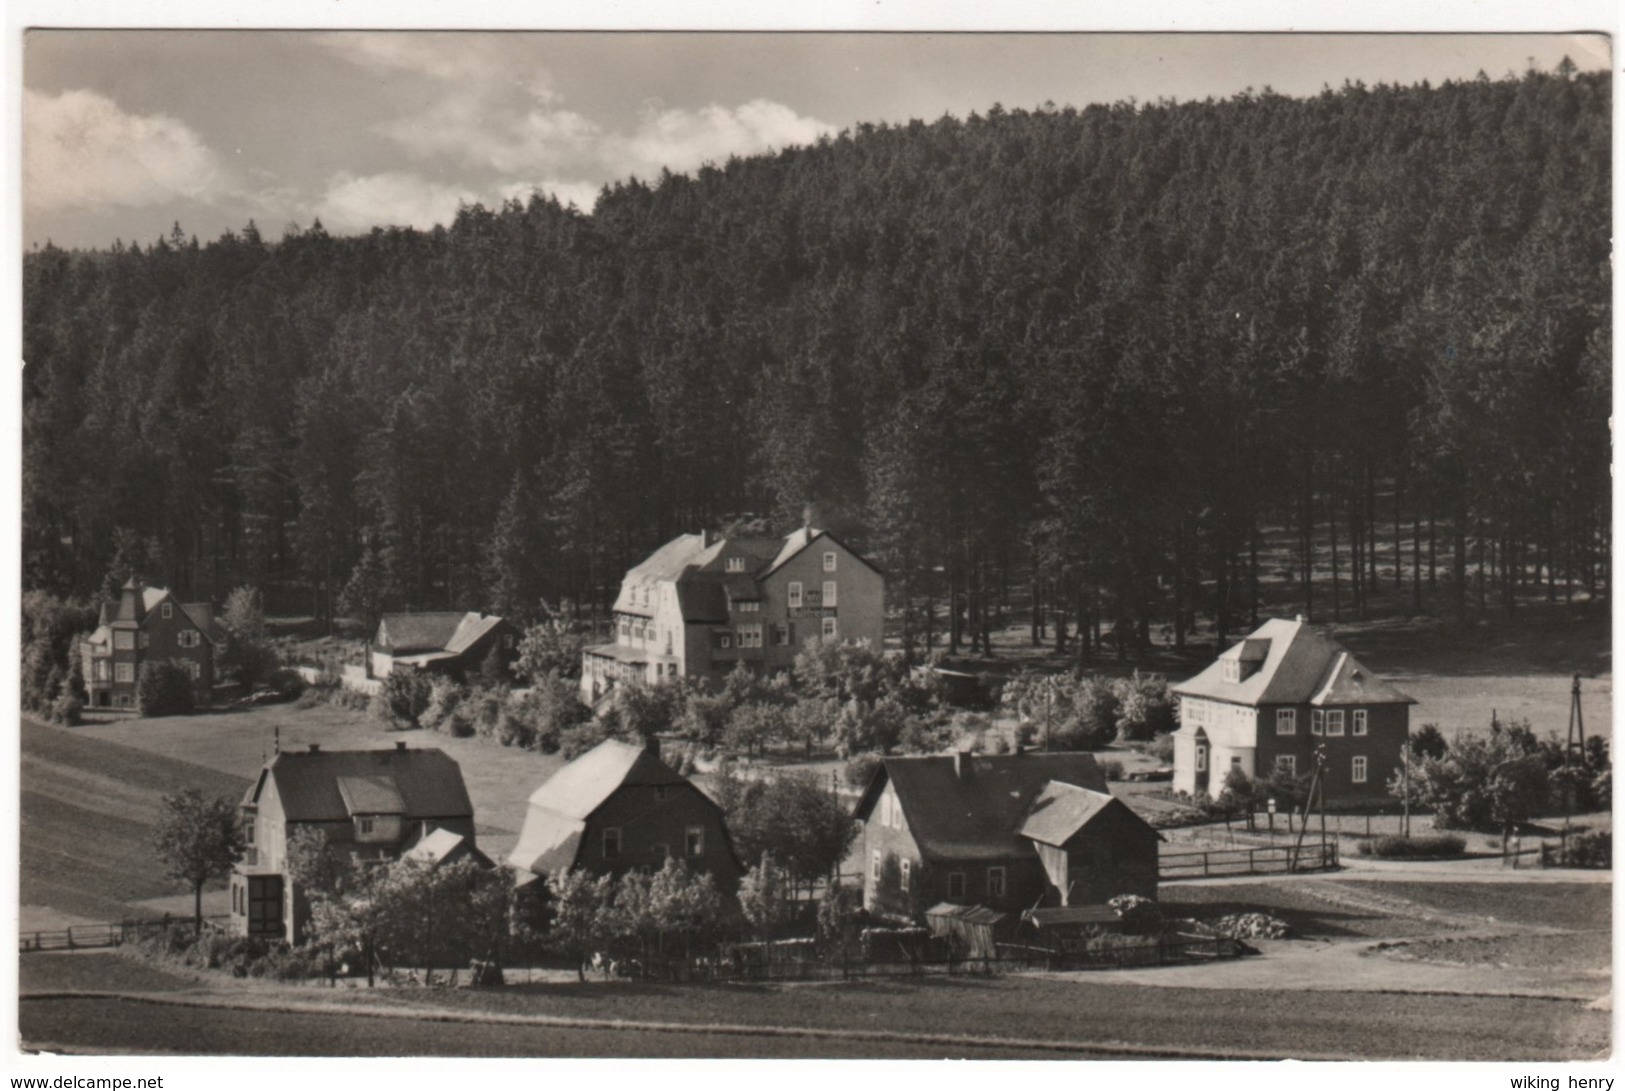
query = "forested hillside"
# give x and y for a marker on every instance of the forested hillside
(1093, 351)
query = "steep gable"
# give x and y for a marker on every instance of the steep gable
(1294, 665)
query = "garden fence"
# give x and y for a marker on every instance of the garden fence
(103, 933)
(1272, 860)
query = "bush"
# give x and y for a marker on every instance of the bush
(1140, 916)
(1162, 748)
(860, 770)
(1146, 706)
(67, 710)
(1425, 846)
(1112, 769)
(401, 699)
(1591, 850)
(287, 683)
(164, 689)
(445, 697)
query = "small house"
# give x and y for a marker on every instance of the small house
(149, 625)
(452, 643)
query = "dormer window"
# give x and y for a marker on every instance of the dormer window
(736, 564)
(1232, 670)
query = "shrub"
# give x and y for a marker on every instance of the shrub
(1112, 769)
(1419, 847)
(164, 689)
(860, 770)
(1146, 706)
(1162, 748)
(1140, 916)
(67, 710)
(1591, 850)
(583, 737)
(445, 696)
(287, 683)
(401, 699)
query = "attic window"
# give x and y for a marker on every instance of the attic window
(612, 842)
(168, 610)
(1232, 670)
(736, 564)
(829, 562)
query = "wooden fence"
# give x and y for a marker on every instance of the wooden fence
(103, 934)
(1269, 860)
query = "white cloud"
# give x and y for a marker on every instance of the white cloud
(466, 60)
(584, 195)
(682, 140)
(392, 199)
(81, 150)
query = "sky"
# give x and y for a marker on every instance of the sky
(127, 132)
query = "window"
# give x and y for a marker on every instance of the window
(829, 562)
(1317, 722)
(1359, 769)
(956, 884)
(1201, 759)
(725, 640)
(366, 826)
(694, 841)
(124, 640)
(1286, 721)
(645, 596)
(192, 669)
(995, 882)
(874, 866)
(1360, 726)
(612, 842)
(736, 564)
(1286, 763)
(249, 826)
(787, 635)
(507, 640)
(1232, 670)
(1334, 722)
(1235, 761)
(829, 592)
(750, 606)
(99, 670)
(626, 631)
(750, 636)
(188, 639)
(662, 850)
(124, 672)
(795, 595)
(830, 630)
(168, 610)
(903, 881)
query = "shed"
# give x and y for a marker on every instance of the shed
(973, 930)
(1066, 927)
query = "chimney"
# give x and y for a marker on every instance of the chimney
(399, 746)
(1300, 619)
(315, 747)
(961, 763)
(651, 746)
(705, 538)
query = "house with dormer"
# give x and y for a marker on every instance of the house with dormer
(1008, 832)
(149, 625)
(1272, 700)
(373, 806)
(701, 605)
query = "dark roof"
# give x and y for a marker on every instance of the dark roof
(1062, 916)
(970, 914)
(980, 814)
(1062, 810)
(428, 782)
(701, 599)
(201, 614)
(559, 809)
(1297, 664)
(453, 631)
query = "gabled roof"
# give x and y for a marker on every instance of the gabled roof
(1061, 811)
(980, 814)
(450, 631)
(1348, 683)
(1296, 666)
(428, 782)
(559, 809)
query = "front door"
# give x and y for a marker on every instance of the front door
(265, 906)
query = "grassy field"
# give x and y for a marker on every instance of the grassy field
(500, 779)
(89, 808)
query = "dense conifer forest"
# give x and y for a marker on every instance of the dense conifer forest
(1096, 354)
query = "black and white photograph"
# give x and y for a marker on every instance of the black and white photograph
(814, 544)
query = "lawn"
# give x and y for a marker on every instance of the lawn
(500, 779)
(89, 809)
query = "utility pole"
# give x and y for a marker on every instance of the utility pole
(1576, 744)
